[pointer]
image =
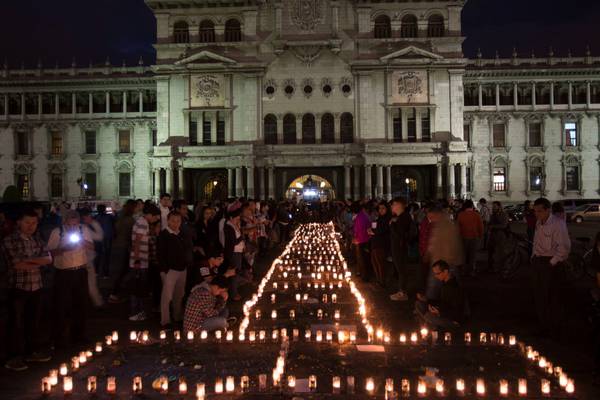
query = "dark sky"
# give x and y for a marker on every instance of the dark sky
(124, 29)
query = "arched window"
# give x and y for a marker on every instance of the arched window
(435, 26)
(181, 32)
(289, 129)
(270, 129)
(408, 27)
(383, 27)
(206, 33)
(572, 174)
(233, 31)
(346, 128)
(499, 175)
(327, 129)
(308, 129)
(536, 175)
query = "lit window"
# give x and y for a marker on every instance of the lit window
(124, 142)
(23, 185)
(571, 134)
(57, 144)
(572, 174)
(535, 178)
(499, 179)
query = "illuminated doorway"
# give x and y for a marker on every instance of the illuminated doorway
(214, 188)
(310, 188)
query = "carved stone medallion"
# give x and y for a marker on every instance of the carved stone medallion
(208, 88)
(306, 14)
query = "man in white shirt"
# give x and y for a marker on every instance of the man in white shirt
(69, 245)
(551, 246)
(165, 204)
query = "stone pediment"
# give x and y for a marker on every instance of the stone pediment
(410, 53)
(204, 57)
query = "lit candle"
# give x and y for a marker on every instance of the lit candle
(262, 335)
(319, 336)
(402, 338)
(218, 335)
(275, 334)
(276, 377)
(257, 314)
(503, 387)
(273, 297)
(200, 391)
(252, 336)
(145, 336)
(414, 338)
(329, 336)
(245, 383)
(82, 358)
(242, 336)
(312, 383)
(262, 382)
(219, 385)
(389, 388)
(352, 336)
(542, 362)
(320, 313)
(501, 339)
(291, 381)
(570, 387)
(274, 285)
(522, 387)
(545, 387)
(336, 384)
(74, 363)
(137, 384)
(563, 380)
(67, 385)
(512, 340)
(63, 369)
(298, 297)
(482, 338)
(460, 386)
(334, 298)
(115, 337)
(177, 336)
(203, 335)
(350, 384)
(164, 384)
(292, 314)
(274, 314)
(229, 336)
(447, 338)
(421, 388)
(370, 386)
(336, 314)
(98, 347)
(53, 375)
(379, 334)
(46, 385)
(325, 297)
(285, 286)
(480, 387)
(111, 384)
(405, 387)
(295, 333)
(467, 338)
(133, 336)
(341, 337)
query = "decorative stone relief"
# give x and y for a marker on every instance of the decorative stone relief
(270, 88)
(307, 54)
(289, 87)
(308, 86)
(206, 91)
(326, 87)
(410, 87)
(306, 14)
(346, 86)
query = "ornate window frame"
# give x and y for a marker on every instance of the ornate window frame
(308, 82)
(497, 119)
(91, 167)
(468, 119)
(57, 168)
(535, 160)
(123, 126)
(84, 127)
(572, 160)
(528, 120)
(577, 119)
(289, 82)
(325, 82)
(124, 166)
(27, 130)
(24, 169)
(61, 129)
(270, 83)
(346, 81)
(497, 161)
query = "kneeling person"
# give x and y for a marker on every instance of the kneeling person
(206, 307)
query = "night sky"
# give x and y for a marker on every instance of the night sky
(124, 29)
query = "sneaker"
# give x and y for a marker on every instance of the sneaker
(137, 317)
(400, 296)
(142, 316)
(38, 357)
(16, 364)
(231, 321)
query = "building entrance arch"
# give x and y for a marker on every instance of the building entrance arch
(310, 188)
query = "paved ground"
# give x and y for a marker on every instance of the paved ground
(496, 307)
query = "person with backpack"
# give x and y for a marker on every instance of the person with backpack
(69, 245)
(400, 226)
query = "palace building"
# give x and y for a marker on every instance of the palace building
(358, 98)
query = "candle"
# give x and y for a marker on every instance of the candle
(219, 385)
(545, 387)
(341, 337)
(563, 380)
(182, 385)
(292, 314)
(503, 387)
(285, 286)
(273, 297)
(229, 336)
(252, 336)
(324, 297)
(108, 340)
(262, 382)
(512, 340)
(336, 314)
(439, 387)
(276, 377)
(421, 388)
(145, 336)
(334, 298)
(67, 385)
(63, 369)
(274, 285)
(262, 335)
(245, 383)
(111, 384)
(542, 362)
(298, 297)
(163, 335)
(190, 336)
(242, 336)
(275, 334)
(115, 337)
(295, 333)
(274, 314)
(501, 339)
(405, 387)
(200, 391)
(319, 336)
(522, 387)
(447, 338)
(74, 363)
(164, 384)
(379, 334)
(336, 384)
(133, 336)
(46, 385)
(402, 338)
(482, 338)
(370, 386)
(570, 387)
(480, 387)
(320, 313)
(177, 336)
(386, 337)
(137, 384)
(257, 314)
(98, 347)
(329, 336)
(460, 386)
(467, 338)
(218, 335)
(414, 338)
(82, 358)
(352, 336)
(312, 383)
(53, 375)
(291, 381)
(389, 387)
(305, 297)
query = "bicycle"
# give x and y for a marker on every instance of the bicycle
(579, 262)
(515, 253)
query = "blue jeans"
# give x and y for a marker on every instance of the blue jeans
(139, 290)
(217, 322)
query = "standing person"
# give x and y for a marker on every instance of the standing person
(551, 246)
(121, 247)
(107, 222)
(153, 267)
(284, 218)
(531, 221)
(496, 233)
(471, 230)
(25, 253)
(69, 245)
(360, 239)
(486, 215)
(165, 208)
(139, 260)
(172, 262)
(380, 242)
(97, 235)
(399, 235)
(234, 251)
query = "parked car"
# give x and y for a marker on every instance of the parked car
(586, 212)
(570, 205)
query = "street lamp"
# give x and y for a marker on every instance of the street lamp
(407, 181)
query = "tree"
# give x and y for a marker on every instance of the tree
(11, 194)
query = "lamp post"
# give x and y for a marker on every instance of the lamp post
(407, 181)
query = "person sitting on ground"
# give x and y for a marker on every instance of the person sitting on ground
(449, 312)
(206, 307)
(213, 266)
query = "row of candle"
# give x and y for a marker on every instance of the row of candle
(229, 386)
(292, 314)
(549, 368)
(309, 285)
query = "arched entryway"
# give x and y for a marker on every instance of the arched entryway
(413, 182)
(310, 188)
(209, 185)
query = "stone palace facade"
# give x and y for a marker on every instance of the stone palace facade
(245, 96)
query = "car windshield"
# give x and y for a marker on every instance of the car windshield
(582, 208)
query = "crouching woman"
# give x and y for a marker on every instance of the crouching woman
(206, 307)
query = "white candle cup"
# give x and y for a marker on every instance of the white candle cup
(98, 347)
(503, 387)
(522, 388)
(291, 379)
(219, 385)
(370, 386)
(53, 375)
(67, 384)
(545, 387)
(46, 385)
(63, 369)
(312, 383)
(137, 384)
(111, 385)
(480, 387)
(200, 391)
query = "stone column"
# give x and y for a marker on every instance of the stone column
(347, 188)
(439, 188)
(480, 95)
(388, 182)
(271, 181)
(515, 95)
(213, 127)
(336, 128)
(124, 102)
(318, 128)
(280, 128)
(298, 128)
(230, 179)
(463, 181)
(588, 94)
(181, 182)
(56, 101)
(418, 125)
(379, 187)
(141, 103)
(91, 103)
(368, 183)
(169, 180)
(250, 182)
(73, 103)
(533, 99)
(107, 104)
(239, 184)
(551, 95)
(570, 96)
(157, 186)
(356, 182)
(497, 96)
(261, 183)
(451, 185)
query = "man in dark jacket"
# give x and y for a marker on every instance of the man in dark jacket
(400, 235)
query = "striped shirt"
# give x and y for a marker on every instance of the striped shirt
(140, 236)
